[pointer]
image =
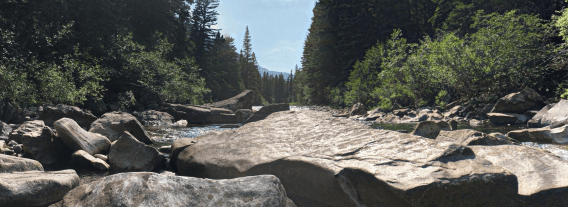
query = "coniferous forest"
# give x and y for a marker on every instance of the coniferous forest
(383, 53)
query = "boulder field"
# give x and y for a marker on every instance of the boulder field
(323, 160)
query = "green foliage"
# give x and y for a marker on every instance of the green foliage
(505, 53)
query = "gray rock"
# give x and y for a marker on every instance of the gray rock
(470, 137)
(453, 124)
(181, 123)
(5, 129)
(17, 164)
(452, 112)
(113, 124)
(177, 147)
(327, 161)
(153, 189)
(401, 112)
(102, 157)
(36, 188)
(267, 110)
(130, 155)
(518, 103)
(200, 114)
(3, 146)
(358, 109)
(430, 129)
(18, 149)
(9, 113)
(40, 142)
(82, 159)
(154, 118)
(76, 138)
(33, 127)
(243, 115)
(12, 143)
(541, 135)
(551, 114)
(542, 177)
(507, 118)
(244, 100)
(51, 114)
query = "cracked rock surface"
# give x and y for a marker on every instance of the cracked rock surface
(330, 161)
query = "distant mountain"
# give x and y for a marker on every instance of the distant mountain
(274, 73)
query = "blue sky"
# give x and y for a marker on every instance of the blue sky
(278, 28)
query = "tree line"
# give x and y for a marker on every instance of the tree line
(81, 52)
(412, 53)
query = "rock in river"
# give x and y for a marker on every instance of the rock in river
(154, 118)
(326, 161)
(244, 100)
(77, 138)
(130, 155)
(519, 102)
(430, 129)
(551, 115)
(541, 135)
(113, 124)
(40, 142)
(36, 188)
(152, 189)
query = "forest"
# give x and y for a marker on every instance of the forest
(414, 53)
(383, 53)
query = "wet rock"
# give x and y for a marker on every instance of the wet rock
(470, 137)
(76, 138)
(51, 114)
(40, 143)
(201, 115)
(267, 110)
(327, 161)
(542, 177)
(113, 124)
(36, 188)
(17, 164)
(519, 102)
(507, 118)
(154, 118)
(358, 109)
(430, 129)
(81, 159)
(541, 135)
(243, 115)
(153, 189)
(551, 114)
(130, 155)
(244, 100)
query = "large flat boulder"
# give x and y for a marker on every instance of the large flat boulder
(130, 155)
(113, 124)
(267, 110)
(200, 114)
(36, 188)
(470, 137)
(542, 176)
(328, 161)
(519, 103)
(153, 189)
(76, 138)
(154, 118)
(51, 114)
(244, 100)
(40, 142)
(17, 164)
(551, 114)
(541, 135)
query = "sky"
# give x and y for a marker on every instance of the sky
(278, 29)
